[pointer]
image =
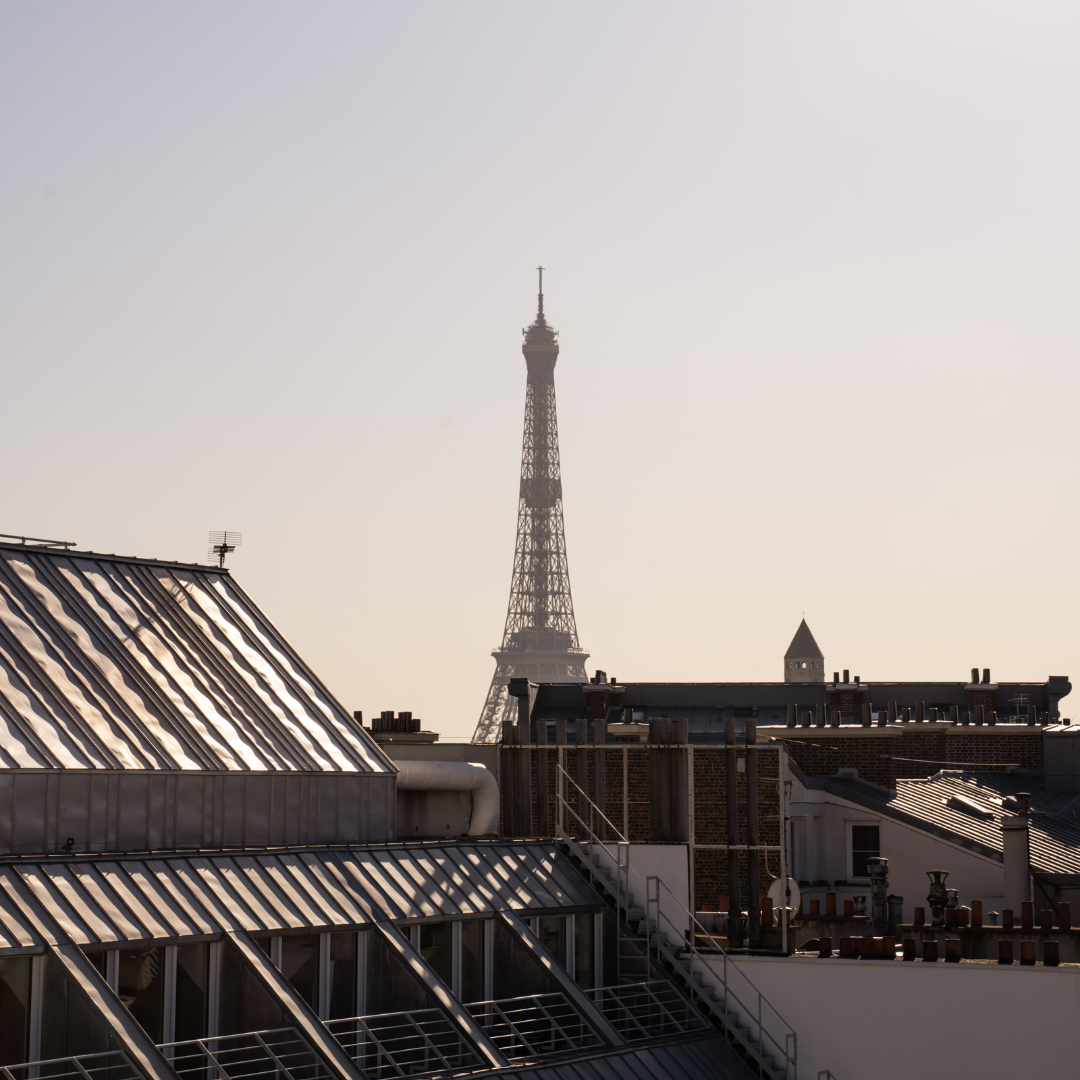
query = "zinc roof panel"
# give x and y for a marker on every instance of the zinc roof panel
(326, 901)
(290, 888)
(116, 911)
(269, 911)
(60, 896)
(191, 917)
(111, 662)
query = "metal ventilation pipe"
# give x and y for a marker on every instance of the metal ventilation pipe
(753, 873)
(456, 776)
(731, 777)
(1016, 853)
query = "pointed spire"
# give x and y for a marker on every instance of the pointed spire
(540, 298)
(803, 646)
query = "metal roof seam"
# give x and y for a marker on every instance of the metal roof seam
(306, 701)
(38, 686)
(28, 733)
(144, 686)
(255, 614)
(228, 678)
(92, 684)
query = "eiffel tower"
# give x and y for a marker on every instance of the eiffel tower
(540, 640)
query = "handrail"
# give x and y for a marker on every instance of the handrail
(600, 813)
(788, 1051)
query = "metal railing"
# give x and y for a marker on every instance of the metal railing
(405, 1043)
(536, 1025)
(647, 1010)
(766, 1036)
(110, 1065)
(746, 1010)
(281, 1054)
(617, 851)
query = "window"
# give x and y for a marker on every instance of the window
(14, 1009)
(300, 964)
(141, 987)
(472, 960)
(342, 975)
(553, 936)
(192, 995)
(865, 844)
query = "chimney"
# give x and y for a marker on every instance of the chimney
(974, 675)
(1016, 853)
(986, 676)
(846, 675)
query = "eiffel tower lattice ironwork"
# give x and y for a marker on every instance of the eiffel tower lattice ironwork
(540, 641)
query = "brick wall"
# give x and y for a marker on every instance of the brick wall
(628, 806)
(916, 752)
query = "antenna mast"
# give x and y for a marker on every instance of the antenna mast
(222, 543)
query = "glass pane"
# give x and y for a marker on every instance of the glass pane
(553, 935)
(472, 960)
(192, 983)
(245, 1004)
(865, 844)
(435, 948)
(300, 965)
(141, 987)
(14, 1009)
(100, 961)
(390, 986)
(342, 975)
(69, 1024)
(516, 972)
(583, 951)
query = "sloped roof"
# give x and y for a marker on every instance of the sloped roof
(116, 663)
(967, 807)
(803, 646)
(103, 900)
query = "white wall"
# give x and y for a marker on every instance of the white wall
(875, 1020)
(670, 863)
(820, 824)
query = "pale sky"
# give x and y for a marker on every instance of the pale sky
(264, 266)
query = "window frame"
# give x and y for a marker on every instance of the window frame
(849, 828)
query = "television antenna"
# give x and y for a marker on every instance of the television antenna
(222, 543)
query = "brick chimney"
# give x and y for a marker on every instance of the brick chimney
(601, 694)
(980, 691)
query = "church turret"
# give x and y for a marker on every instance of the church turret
(804, 662)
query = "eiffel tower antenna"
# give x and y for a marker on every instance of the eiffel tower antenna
(540, 639)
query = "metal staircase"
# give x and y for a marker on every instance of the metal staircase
(660, 940)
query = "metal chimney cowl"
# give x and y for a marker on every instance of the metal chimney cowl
(938, 896)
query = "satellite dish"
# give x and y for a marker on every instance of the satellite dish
(776, 894)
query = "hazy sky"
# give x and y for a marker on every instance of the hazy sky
(265, 266)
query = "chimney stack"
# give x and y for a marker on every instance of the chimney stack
(1017, 855)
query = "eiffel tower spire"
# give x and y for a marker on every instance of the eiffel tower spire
(540, 639)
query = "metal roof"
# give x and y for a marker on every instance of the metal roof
(102, 900)
(1054, 840)
(113, 663)
(674, 699)
(710, 1058)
